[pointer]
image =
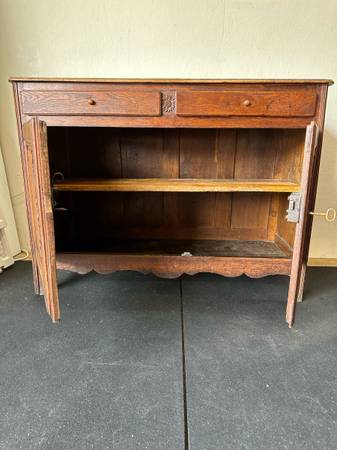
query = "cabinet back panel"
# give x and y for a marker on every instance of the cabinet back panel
(171, 153)
(105, 215)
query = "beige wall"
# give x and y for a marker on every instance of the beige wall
(171, 38)
(6, 213)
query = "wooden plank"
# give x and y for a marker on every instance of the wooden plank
(179, 215)
(285, 231)
(294, 103)
(207, 153)
(29, 194)
(178, 247)
(119, 103)
(313, 183)
(197, 154)
(175, 185)
(173, 266)
(258, 146)
(149, 153)
(79, 158)
(273, 215)
(172, 121)
(250, 211)
(300, 233)
(173, 80)
(35, 136)
(289, 147)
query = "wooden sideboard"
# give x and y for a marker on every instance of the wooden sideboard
(170, 176)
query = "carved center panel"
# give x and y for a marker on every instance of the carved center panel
(168, 102)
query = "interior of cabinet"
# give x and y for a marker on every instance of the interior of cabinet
(199, 192)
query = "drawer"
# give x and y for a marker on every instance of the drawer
(115, 103)
(293, 103)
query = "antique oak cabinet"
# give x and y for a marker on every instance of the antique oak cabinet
(170, 176)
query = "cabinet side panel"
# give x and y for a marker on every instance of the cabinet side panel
(285, 233)
(28, 194)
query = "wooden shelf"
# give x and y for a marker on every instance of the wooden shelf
(176, 185)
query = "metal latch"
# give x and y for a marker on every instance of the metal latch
(294, 210)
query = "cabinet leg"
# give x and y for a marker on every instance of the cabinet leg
(290, 308)
(292, 297)
(51, 297)
(301, 283)
(47, 286)
(36, 279)
(52, 305)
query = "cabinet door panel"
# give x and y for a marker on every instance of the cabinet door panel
(310, 149)
(35, 139)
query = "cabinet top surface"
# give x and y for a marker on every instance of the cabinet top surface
(170, 80)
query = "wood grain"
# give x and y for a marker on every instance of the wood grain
(194, 247)
(313, 182)
(35, 136)
(196, 166)
(122, 103)
(175, 185)
(173, 121)
(27, 172)
(174, 80)
(79, 94)
(299, 242)
(148, 153)
(243, 103)
(173, 266)
(157, 215)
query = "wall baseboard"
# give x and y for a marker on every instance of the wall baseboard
(322, 262)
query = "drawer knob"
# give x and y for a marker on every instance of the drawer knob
(247, 103)
(91, 101)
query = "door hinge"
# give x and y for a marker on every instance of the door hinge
(294, 210)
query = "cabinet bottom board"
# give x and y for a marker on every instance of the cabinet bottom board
(170, 259)
(179, 247)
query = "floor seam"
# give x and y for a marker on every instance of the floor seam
(186, 437)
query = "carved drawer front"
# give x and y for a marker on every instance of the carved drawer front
(293, 103)
(118, 103)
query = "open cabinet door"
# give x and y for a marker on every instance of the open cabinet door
(310, 147)
(38, 190)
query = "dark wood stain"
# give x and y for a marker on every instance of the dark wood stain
(169, 176)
